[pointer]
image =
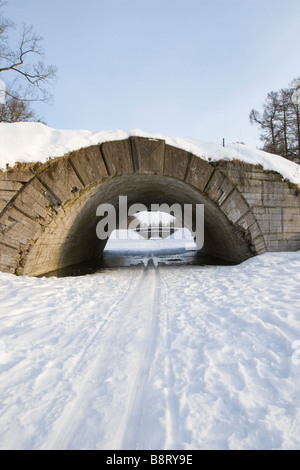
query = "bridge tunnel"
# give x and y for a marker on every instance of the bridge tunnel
(49, 211)
(221, 239)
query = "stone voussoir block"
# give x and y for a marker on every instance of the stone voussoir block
(218, 187)
(199, 173)
(117, 157)
(88, 164)
(234, 206)
(15, 226)
(59, 176)
(176, 162)
(148, 154)
(32, 200)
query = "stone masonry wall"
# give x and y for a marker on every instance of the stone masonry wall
(274, 202)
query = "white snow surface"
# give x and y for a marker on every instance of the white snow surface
(153, 357)
(36, 142)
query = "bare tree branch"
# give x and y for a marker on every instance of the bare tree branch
(25, 63)
(280, 124)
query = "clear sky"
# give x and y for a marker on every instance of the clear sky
(186, 68)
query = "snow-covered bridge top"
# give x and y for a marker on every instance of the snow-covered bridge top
(48, 212)
(36, 142)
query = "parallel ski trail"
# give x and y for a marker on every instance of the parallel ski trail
(172, 411)
(67, 426)
(145, 312)
(134, 355)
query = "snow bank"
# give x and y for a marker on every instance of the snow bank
(28, 142)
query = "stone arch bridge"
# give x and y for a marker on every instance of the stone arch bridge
(48, 211)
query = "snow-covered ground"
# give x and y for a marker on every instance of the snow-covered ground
(153, 357)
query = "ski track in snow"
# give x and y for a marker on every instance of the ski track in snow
(70, 423)
(153, 357)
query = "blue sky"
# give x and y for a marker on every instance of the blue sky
(186, 68)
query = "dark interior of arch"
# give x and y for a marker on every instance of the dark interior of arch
(221, 238)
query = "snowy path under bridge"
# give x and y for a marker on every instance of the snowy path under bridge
(153, 358)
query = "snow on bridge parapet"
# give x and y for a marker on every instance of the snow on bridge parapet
(47, 209)
(36, 142)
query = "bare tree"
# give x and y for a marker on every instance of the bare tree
(16, 111)
(23, 70)
(268, 122)
(280, 124)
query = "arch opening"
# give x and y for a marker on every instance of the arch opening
(150, 237)
(222, 240)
